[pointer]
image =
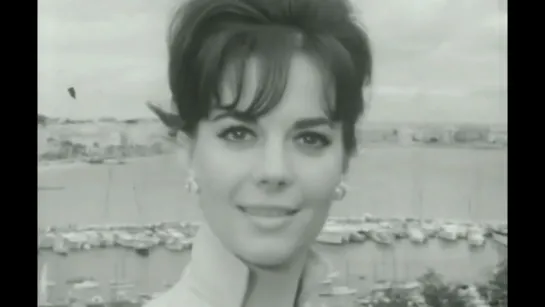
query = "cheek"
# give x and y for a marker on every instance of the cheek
(219, 171)
(319, 177)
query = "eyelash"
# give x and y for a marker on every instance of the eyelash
(234, 129)
(324, 140)
(226, 133)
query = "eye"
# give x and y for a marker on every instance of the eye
(237, 134)
(314, 140)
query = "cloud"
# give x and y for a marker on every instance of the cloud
(115, 53)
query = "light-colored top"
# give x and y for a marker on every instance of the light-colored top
(216, 278)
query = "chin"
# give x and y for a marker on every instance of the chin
(272, 254)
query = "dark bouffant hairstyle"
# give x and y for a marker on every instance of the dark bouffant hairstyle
(207, 35)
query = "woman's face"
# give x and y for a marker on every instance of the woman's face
(266, 186)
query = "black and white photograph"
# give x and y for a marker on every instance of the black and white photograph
(272, 153)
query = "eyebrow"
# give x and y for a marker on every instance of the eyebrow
(300, 124)
(312, 122)
(239, 116)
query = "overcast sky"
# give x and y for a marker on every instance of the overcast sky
(436, 60)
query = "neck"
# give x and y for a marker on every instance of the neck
(275, 287)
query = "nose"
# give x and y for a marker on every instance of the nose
(273, 171)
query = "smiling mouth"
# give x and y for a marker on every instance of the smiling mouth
(268, 211)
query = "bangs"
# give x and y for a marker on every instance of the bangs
(228, 51)
(210, 40)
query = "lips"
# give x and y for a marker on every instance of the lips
(267, 211)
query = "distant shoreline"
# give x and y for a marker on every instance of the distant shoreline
(43, 119)
(74, 163)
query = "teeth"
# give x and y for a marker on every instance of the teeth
(268, 212)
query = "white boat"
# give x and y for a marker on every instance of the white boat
(382, 236)
(416, 234)
(329, 279)
(381, 286)
(476, 236)
(448, 232)
(356, 237)
(340, 291)
(500, 239)
(333, 234)
(326, 237)
(86, 284)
